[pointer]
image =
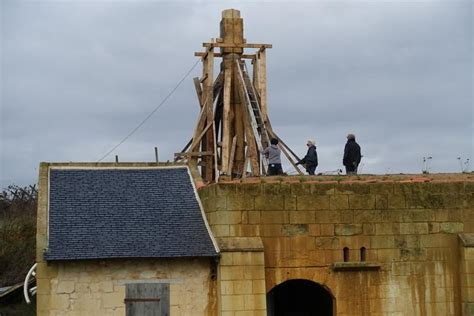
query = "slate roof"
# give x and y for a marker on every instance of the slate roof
(125, 213)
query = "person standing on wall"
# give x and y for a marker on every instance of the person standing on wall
(273, 154)
(352, 156)
(311, 159)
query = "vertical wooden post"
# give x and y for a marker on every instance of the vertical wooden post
(116, 159)
(156, 154)
(262, 82)
(226, 119)
(208, 101)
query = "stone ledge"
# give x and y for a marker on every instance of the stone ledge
(467, 239)
(240, 244)
(355, 266)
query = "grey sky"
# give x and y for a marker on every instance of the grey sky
(77, 76)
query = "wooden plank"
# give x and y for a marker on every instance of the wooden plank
(226, 120)
(231, 45)
(197, 131)
(262, 83)
(239, 109)
(194, 153)
(244, 56)
(232, 154)
(147, 299)
(197, 86)
(208, 96)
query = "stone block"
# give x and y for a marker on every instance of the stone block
(223, 189)
(348, 229)
(369, 229)
(269, 203)
(240, 202)
(312, 202)
(258, 287)
(60, 302)
(314, 229)
(244, 230)
(362, 202)
(381, 188)
(396, 201)
(112, 300)
(433, 228)
(232, 302)
(254, 302)
(322, 188)
(220, 230)
(226, 287)
(387, 228)
(414, 228)
(327, 229)
(242, 286)
(228, 217)
(388, 255)
(226, 259)
(332, 216)
(380, 242)
(417, 215)
(231, 273)
(381, 201)
(254, 273)
(327, 243)
(339, 202)
(253, 189)
(65, 287)
(274, 217)
(106, 286)
(302, 217)
(270, 230)
(294, 229)
(301, 189)
(290, 203)
(254, 217)
(424, 200)
(451, 228)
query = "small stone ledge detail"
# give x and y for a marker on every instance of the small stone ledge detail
(355, 266)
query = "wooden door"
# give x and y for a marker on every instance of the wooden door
(147, 299)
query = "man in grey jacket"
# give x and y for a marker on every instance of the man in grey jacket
(274, 161)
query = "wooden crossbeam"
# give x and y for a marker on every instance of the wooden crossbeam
(244, 56)
(194, 153)
(197, 86)
(232, 45)
(232, 155)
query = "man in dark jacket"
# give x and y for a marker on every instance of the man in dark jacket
(311, 159)
(352, 155)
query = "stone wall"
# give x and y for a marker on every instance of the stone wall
(98, 287)
(409, 230)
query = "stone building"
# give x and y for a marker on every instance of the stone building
(117, 238)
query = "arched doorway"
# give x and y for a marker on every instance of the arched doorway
(299, 298)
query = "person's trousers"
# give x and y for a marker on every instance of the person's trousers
(274, 169)
(351, 170)
(311, 170)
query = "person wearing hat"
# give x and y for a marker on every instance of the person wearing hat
(311, 159)
(352, 156)
(273, 153)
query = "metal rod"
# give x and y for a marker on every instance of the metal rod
(156, 154)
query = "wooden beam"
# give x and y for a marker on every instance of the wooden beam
(262, 83)
(231, 45)
(244, 56)
(197, 86)
(232, 154)
(194, 153)
(226, 120)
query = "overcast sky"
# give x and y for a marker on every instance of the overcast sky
(78, 76)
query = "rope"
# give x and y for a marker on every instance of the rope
(152, 112)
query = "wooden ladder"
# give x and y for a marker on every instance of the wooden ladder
(256, 119)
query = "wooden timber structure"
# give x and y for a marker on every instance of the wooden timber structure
(233, 127)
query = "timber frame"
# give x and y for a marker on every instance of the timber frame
(233, 127)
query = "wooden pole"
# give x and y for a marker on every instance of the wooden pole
(156, 154)
(116, 159)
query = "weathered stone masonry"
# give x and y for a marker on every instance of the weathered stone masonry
(409, 229)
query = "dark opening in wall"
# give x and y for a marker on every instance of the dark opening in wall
(345, 252)
(362, 254)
